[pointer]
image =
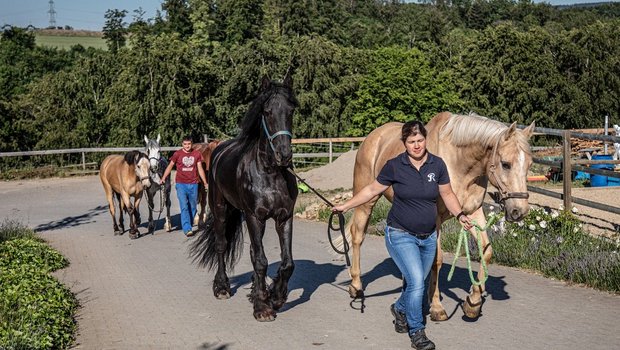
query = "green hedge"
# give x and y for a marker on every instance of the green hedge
(36, 311)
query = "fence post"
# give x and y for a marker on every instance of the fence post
(330, 150)
(83, 160)
(566, 170)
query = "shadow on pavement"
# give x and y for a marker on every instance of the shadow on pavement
(72, 221)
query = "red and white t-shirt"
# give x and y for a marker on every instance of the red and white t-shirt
(187, 166)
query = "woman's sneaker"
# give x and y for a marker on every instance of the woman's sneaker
(419, 341)
(400, 320)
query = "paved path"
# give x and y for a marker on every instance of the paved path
(146, 293)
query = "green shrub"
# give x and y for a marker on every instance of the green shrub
(11, 229)
(553, 243)
(36, 311)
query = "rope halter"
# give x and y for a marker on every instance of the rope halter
(270, 137)
(503, 193)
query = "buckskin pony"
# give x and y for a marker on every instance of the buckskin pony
(476, 151)
(249, 181)
(125, 176)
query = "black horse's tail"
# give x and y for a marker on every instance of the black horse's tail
(203, 249)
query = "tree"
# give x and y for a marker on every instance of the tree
(114, 30)
(400, 85)
(178, 17)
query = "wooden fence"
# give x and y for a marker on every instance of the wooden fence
(568, 165)
(326, 143)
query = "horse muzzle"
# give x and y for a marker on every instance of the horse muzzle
(146, 181)
(516, 210)
(284, 160)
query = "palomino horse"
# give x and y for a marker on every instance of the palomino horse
(476, 151)
(249, 181)
(126, 177)
(206, 149)
(157, 166)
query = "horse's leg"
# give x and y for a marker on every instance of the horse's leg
(109, 195)
(151, 205)
(279, 289)
(358, 226)
(131, 209)
(168, 224)
(437, 312)
(121, 208)
(473, 302)
(263, 310)
(221, 284)
(202, 201)
(199, 200)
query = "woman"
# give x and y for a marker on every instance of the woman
(418, 178)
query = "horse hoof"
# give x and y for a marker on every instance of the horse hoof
(133, 235)
(167, 227)
(265, 315)
(438, 316)
(355, 293)
(222, 295)
(118, 232)
(277, 304)
(471, 310)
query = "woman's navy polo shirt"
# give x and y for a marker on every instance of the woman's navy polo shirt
(414, 207)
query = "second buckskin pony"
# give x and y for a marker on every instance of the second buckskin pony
(476, 151)
(249, 181)
(206, 149)
(125, 176)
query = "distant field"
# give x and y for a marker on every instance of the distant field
(65, 42)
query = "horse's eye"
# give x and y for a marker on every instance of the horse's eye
(506, 165)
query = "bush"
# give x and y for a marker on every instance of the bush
(555, 244)
(36, 311)
(11, 229)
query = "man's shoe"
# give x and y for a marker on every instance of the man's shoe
(400, 320)
(189, 233)
(419, 341)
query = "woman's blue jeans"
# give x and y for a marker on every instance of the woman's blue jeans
(414, 257)
(187, 195)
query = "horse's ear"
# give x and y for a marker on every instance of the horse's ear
(130, 157)
(158, 138)
(288, 79)
(146, 139)
(510, 130)
(264, 85)
(529, 131)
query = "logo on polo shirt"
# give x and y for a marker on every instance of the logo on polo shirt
(431, 177)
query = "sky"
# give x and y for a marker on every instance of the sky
(89, 14)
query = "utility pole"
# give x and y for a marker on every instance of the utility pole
(52, 13)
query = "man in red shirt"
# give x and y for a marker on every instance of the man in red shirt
(189, 171)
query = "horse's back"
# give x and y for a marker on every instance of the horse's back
(206, 150)
(381, 145)
(112, 170)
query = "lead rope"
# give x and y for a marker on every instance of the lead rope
(331, 226)
(463, 235)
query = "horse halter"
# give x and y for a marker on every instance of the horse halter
(270, 137)
(503, 193)
(157, 159)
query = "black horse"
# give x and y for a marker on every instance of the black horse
(249, 181)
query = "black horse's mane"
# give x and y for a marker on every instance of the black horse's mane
(250, 126)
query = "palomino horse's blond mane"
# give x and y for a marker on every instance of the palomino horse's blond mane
(465, 130)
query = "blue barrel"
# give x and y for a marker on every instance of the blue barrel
(600, 180)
